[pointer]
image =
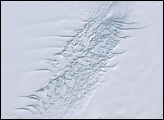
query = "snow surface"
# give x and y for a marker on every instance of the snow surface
(82, 59)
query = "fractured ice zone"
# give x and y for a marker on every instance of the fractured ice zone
(83, 58)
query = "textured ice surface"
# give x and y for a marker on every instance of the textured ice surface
(75, 69)
(77, 65)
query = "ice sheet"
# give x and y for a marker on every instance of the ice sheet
(82, 59)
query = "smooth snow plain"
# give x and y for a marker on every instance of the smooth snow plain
(101, 60)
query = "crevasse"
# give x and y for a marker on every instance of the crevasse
(85, 56)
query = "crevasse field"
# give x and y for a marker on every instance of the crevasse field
(99, 60)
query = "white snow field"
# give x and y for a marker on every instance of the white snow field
(88, 60)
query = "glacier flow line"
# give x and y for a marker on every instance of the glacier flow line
(87, 55)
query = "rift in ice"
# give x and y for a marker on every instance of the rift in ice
(85, 58)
